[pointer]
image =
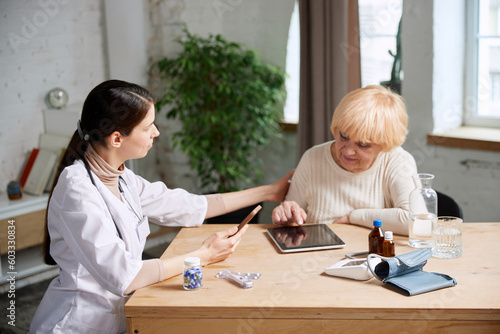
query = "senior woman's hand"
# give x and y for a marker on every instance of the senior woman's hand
(289, 213)
(343, 220)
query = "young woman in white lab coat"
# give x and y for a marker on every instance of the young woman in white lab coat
(97, 217)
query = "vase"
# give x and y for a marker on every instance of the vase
(423, 211)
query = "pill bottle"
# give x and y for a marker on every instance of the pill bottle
(388, 248)
(192, 273)
(376, 238)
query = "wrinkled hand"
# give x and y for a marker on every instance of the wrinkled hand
(280, 188)
(220, 246)
(288, 213)
(342, 220)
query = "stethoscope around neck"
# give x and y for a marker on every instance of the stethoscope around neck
(120, 179)
(131, 207)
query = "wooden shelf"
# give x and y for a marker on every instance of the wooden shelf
(29, 215)
(27, 204)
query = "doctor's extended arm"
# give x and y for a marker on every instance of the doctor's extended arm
(216, 248)
(85, 228)
(177, 207)
(219, 204)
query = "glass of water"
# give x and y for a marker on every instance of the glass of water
(447, 237)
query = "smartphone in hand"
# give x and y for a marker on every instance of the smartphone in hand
(248, 218)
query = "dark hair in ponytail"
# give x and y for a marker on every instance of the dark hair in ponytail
(111, 106)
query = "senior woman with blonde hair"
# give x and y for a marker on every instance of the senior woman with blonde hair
(362, 175)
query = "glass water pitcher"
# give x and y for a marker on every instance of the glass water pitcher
(423, 211)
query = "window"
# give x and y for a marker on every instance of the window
(291, 110)
(483, 75)
(378, 23)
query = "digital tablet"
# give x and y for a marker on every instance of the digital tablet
(304, 238)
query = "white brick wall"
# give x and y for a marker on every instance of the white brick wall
(43, 44)
(66, 48)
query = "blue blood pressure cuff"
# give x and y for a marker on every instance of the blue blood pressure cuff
(405, 272)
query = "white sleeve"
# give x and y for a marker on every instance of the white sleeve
(78, 217)
(170, 207)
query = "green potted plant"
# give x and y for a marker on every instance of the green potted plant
(395, 82)
(228, 102)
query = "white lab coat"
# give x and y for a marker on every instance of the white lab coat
(96, 266)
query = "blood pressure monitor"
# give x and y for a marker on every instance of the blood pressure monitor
(352, 268)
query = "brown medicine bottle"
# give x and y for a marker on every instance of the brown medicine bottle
(376, 238)
(388, 248)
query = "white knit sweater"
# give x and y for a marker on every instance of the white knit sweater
(327, 192)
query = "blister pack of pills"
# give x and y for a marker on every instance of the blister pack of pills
(241, 279)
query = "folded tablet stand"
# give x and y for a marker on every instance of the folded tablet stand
(405, 272)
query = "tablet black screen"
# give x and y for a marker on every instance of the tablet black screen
(304, 238)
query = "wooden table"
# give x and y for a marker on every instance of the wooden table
(295, 296)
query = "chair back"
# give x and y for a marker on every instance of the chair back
(447, 206)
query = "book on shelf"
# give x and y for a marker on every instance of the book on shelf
(40, 172)
(55, 143)
(27, 167)
(52, 176)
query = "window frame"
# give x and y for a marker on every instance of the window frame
(378, 22)
(471, 118)
(293, 74)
